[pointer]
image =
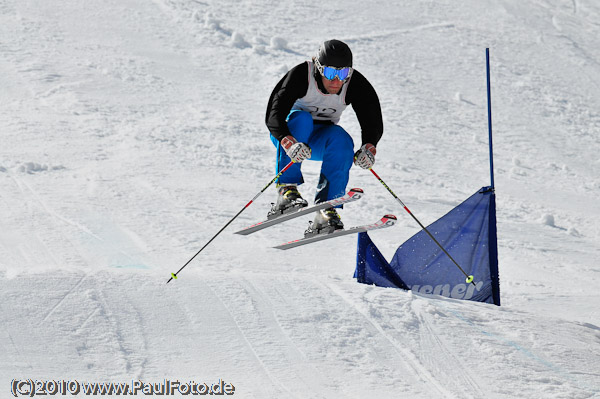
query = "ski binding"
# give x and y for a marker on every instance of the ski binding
(351, 196)
(386, 221)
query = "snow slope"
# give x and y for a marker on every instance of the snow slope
(133, 130)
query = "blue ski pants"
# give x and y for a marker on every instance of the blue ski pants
(330, 144)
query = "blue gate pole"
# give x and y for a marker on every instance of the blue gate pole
(489, 101)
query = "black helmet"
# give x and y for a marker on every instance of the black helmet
(335, 53)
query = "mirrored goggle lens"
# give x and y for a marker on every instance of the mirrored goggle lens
(330, 73)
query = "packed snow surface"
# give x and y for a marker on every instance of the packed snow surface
(133, 130)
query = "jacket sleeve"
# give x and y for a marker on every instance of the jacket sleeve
(365, 103)
(291, 87)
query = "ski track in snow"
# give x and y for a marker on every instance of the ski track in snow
(133, 130)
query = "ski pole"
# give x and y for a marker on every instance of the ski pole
(174, 275)
(469, 278)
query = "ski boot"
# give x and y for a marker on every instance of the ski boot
(326, 221)
(289, 200)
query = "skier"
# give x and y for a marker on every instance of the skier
(302, 116)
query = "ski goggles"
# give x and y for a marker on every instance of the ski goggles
(331, 73)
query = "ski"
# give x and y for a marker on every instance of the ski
(386, 221)
(351, 196)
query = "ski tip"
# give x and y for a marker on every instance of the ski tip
(390, 216)
(357, 190)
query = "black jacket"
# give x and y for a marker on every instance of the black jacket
(294, 85)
